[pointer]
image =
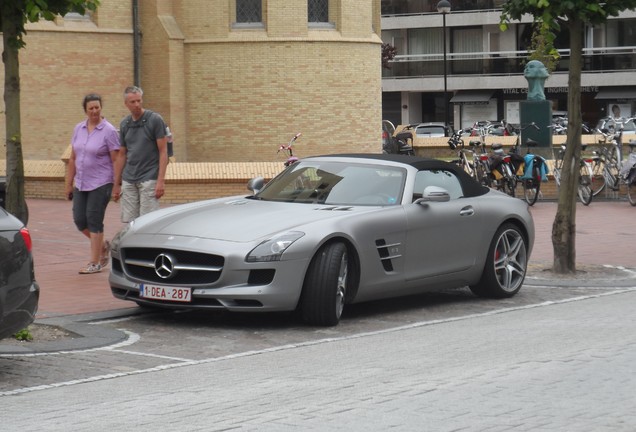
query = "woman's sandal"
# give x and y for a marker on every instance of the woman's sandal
(91, 268)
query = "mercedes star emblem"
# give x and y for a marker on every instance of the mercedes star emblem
(164, 266)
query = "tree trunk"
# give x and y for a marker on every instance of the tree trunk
(15, 200)
(564, 226)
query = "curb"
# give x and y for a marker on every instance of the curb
(79, 333)
(587, 276)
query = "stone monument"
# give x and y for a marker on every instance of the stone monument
(536, 109)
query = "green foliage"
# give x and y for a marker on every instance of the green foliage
(550, 15)
(542, 47)
(388, 54)
(23, 11)
(554, 12)
(24, 335)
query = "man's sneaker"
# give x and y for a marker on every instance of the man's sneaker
(105, 258)
(91, 268)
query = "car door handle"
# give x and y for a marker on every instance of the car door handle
(467, 211)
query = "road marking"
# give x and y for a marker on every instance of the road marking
(185, 362)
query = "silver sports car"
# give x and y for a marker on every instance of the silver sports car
(326, 232)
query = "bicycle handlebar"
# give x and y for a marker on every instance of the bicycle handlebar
(288, 146)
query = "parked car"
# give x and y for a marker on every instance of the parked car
(326, 232)
(19, 291)
(433, 130)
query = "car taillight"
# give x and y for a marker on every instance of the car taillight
(27, 238)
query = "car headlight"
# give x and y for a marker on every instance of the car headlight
(272, 249)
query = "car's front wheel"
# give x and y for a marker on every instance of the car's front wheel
(506, 264)
(325, 286)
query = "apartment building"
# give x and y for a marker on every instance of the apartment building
(484, 66)
(234, 79)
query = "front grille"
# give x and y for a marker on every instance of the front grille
(190, 268)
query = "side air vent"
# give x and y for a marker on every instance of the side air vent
(387, 253)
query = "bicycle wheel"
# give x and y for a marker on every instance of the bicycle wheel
(481, 175)
(532, 186)
(510, 186)
(504, 182)
(612, 156)
(631, 193)
(597, 182)
(585, 180)
(612, 164)
(585, 194)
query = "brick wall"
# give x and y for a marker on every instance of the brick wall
(62, 62)
(228, 94)
(186, 182)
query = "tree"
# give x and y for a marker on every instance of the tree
(388, 54)
(572, 15)
(542, 47)
(14, 14)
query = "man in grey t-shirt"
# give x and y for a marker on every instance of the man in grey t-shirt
(140, 169)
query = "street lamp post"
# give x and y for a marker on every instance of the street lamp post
(444, 7)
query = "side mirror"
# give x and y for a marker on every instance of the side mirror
(433, 194)
(256, 184)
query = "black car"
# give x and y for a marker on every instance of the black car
(19, 292)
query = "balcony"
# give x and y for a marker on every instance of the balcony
(505, 63)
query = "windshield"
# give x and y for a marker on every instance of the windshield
(336, 183)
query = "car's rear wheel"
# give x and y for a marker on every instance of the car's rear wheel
(506, 264)
(325, 286)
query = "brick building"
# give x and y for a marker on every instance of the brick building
(233, 78)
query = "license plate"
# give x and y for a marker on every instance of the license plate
(167, 293)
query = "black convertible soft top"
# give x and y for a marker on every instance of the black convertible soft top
(470, 186)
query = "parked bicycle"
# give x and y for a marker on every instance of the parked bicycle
(628, 173)
(288, 148)
(584, 190)
(481, 158)
(502, 171)
(532, 174)
(257, 183)
(473, 160)
(529, 170)
(607, 161)
(455, 142)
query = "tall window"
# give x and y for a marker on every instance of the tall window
(249, 11)
(318, 11)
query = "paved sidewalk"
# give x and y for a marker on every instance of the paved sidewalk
(60, 251)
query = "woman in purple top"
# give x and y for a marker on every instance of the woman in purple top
(90, 176)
